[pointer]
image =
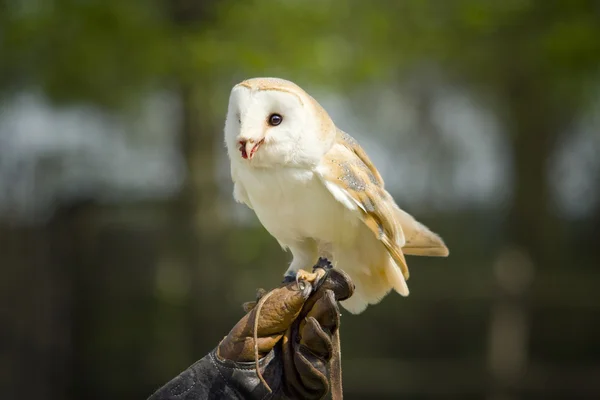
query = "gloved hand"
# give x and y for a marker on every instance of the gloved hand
(296, 330)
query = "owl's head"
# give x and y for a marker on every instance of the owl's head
(273, 122)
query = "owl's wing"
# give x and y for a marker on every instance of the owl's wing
(352, 179)
(350, 143)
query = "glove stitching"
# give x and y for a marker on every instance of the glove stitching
(250, 364)
(216, 362)
(194, 376)
(317, 372)
(213, 361)
(322, 334)
(307, 349)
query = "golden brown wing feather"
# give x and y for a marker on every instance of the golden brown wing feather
(418, 239)
(348, 169)
(350, 143)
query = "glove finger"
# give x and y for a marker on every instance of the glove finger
(326, 312)
(280, 308)
(338, 281)
(249, 306)
(312, 372)
(315, 339)
(277, 311)
(243, 350)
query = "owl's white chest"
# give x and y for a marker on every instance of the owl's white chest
(293, 204)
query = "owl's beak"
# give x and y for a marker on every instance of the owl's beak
(249, 147)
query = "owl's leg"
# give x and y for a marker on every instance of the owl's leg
(305, 254)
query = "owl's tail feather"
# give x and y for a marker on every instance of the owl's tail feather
(355, 304)
(370, 289)
(396, 278)
(374, 271)
(398, 257)
(419, 239)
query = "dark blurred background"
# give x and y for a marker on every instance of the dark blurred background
(124, 258)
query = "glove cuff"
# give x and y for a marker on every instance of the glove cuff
(241, 376)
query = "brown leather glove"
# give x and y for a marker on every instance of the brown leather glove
(296, 333)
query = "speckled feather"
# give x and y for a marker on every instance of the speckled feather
(348, 166)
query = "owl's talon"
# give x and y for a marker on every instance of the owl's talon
(312, 277)
(303, 275)
(315, 278)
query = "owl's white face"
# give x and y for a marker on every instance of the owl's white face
(272, 127)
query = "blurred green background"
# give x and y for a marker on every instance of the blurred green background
(124, 258)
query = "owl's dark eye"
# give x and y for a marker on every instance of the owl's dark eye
(275, 119)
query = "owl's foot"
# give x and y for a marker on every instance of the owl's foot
(323, 263)
(289, 277)
(311, 277)
(320, 271)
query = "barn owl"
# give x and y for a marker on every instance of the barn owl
(317, 192)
